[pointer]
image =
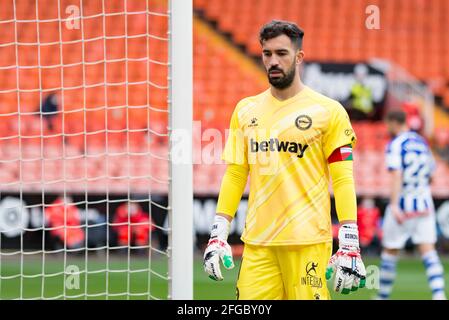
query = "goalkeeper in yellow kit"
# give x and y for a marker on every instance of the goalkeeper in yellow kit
(289, 140)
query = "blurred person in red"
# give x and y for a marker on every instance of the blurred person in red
(414, 120)
(131, 217)
(64, 220)
(368, 217)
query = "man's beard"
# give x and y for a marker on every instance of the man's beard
(285, 81)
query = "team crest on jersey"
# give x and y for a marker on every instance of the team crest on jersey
(303, 122)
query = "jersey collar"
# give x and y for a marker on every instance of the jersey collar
(289, 100)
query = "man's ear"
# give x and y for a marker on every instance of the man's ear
(299, 56)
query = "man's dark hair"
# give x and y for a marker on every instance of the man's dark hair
(398, 116)
(276, 28)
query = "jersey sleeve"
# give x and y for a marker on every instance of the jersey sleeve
(339, 132)
(393, 157)
(235, 151)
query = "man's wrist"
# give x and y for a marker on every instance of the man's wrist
(220, 228)
(348, 235)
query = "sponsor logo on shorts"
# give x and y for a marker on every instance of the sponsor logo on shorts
(312, 279)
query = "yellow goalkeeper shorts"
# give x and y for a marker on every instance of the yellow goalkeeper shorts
(284, 272)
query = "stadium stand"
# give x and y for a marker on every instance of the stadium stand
(412, 32)
(221, 79)
(95, 71)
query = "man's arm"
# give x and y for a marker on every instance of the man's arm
(346, 263)
(232, 187)
(226, 216)
(393, 163)
(231, 191)
(344, 191)
(396, 185)
(433, 167)
(349, 270)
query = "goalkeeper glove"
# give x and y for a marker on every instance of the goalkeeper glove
(347, 264)
(218, 248)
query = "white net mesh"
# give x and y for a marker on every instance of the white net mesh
(83, 149)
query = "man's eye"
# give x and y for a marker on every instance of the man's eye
(267, 54)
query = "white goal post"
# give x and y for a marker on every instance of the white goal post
(181, 185)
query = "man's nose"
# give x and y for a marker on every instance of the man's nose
(274, 62)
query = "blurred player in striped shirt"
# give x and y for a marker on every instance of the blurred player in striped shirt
(411, 212)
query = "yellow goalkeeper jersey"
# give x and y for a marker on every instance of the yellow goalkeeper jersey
(286, 145)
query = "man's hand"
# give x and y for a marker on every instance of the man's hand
(346, 263)
(218, 249)
(397, 214)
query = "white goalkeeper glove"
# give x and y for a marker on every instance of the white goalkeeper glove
(218, 248)
(347, 263)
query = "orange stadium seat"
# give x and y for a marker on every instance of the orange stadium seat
(411, 34)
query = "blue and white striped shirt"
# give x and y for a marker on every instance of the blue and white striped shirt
(410, 153)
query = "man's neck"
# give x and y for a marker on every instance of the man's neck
(287, 93)
(402, 130)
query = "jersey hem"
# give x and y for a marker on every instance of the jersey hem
(285, 243)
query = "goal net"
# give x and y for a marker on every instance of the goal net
(87, 196)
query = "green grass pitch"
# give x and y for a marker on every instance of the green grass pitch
(411, 281)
